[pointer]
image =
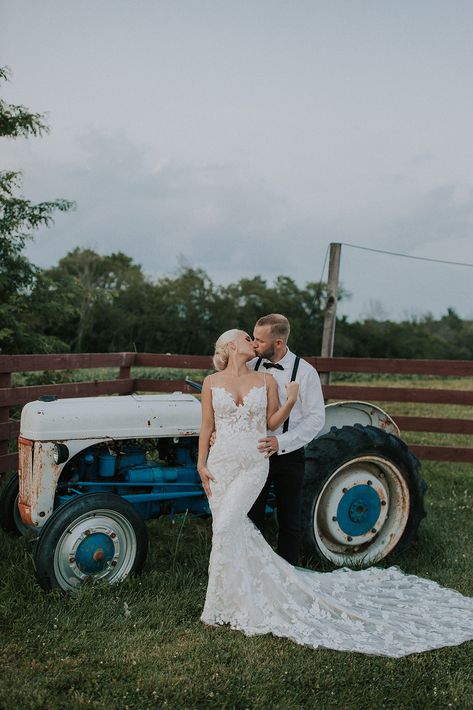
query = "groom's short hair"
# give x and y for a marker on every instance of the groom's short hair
(278, 323)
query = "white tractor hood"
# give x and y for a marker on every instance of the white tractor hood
(133, 416)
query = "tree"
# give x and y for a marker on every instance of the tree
(186, 312)
(97, 285)
(249, 299)
(19, 217)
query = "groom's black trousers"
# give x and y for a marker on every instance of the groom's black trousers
(287, 473)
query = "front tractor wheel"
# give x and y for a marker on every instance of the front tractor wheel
(362, 498)
(94, 537)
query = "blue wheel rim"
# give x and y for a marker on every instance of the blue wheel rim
(94, 553)
(358, 510)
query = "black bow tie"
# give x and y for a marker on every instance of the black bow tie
(267, 365)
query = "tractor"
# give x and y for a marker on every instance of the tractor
(92, 470)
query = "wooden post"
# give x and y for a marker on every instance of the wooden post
(5, 381)
(125, 369)
(330, 318)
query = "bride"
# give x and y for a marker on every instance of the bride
(375, 611)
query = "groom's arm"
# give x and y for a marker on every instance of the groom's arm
(313, 415)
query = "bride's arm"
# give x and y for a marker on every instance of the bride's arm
(207, 426)
(276, 414)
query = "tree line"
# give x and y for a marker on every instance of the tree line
(94, 303)
(104, 303)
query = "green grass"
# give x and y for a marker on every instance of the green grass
(141, 645)
(25, 379)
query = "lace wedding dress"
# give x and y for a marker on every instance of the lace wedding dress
(375, 611)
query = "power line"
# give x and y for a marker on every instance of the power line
(407, 256)
(319, 286)
(324, 264)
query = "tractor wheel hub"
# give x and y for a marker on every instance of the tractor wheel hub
(94, 553)
(356, 503)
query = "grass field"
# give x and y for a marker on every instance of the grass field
(141, 645)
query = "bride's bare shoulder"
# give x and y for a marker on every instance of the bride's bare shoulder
(208, 382)
(215, 379)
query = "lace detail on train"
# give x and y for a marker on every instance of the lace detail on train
(375, 611)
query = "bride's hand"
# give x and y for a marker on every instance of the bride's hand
(205, 477)
(292, 390)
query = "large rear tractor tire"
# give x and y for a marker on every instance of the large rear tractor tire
(363, 497)
(94, 537)
(10, 519)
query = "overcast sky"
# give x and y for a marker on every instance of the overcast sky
(246, 135)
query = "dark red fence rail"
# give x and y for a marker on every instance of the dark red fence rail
(126, 384)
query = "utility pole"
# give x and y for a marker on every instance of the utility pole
(330, 317)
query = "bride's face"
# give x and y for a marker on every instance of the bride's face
(244, 345)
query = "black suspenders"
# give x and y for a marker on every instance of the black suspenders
(293, 377)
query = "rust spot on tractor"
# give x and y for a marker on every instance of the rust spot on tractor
(405, 504)
(25, 474)
(98, 555)
(384, 423)
(38, 478)
(25, 513)
(45, 474)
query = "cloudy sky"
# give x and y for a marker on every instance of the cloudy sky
(244, 136)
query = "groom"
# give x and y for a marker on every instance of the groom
(286, 445)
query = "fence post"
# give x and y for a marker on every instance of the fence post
(5, 381)
(330, 318)
(125, 370)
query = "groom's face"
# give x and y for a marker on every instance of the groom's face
(264, 341)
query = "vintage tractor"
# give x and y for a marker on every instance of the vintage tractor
(92, 470)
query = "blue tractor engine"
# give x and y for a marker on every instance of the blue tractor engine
(156, 476)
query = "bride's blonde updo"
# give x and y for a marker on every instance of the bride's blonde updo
(221, 355)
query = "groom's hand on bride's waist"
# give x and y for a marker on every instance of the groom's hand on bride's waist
(268, 446)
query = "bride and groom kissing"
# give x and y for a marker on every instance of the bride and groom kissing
(259, 409)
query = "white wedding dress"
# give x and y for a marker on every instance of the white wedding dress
(375, 611)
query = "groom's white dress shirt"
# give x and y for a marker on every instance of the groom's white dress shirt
(308, 414)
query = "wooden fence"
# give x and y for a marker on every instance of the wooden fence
(125, 383)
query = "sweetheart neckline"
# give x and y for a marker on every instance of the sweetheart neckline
(242, 404)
